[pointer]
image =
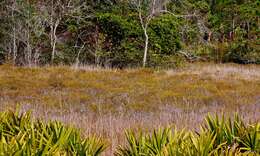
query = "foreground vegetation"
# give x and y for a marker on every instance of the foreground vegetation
(218, 136)
(21, 136)
(106, 102)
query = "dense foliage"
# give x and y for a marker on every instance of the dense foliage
(217, 137)
(21, 136)
(109, 32)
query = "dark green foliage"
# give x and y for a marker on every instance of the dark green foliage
(121, 39)
(109, 33)
(243, 53)
(164, 35)
(125, 38)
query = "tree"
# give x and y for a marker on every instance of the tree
(23, 29)
(147, 10)
(53, 11)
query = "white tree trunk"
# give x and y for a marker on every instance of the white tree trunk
(29, 49)
(145, 47)
(54, 40)
(53, 49)
(77, 63)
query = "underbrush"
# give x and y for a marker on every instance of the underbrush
(217, 136)
(240, 52)
(22, 136)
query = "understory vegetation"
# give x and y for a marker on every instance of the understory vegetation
(22, 136)
(217, 136)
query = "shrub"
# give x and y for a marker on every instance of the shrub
(21, 136)
(217, 137)
(242, 52)
(164, 35)
(122, 36)
(165, 61)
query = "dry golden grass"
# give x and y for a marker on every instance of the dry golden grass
(222, 71)
(108, 101)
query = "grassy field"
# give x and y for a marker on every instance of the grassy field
(106, 102)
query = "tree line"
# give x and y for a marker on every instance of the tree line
(128, 33)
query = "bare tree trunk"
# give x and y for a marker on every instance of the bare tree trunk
(146, 47)
(53, 49)
(29, 49)
(51, 35)
(54, 40)
(54, 26)
(36, 56)
(145, 24)
(77, 63)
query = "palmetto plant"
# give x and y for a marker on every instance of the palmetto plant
(157, 143)
(250, 139)
(202, 144)
(179, 143)
(21, 136)
(235, 131)
(217, 137)
(226, 130)
(136, 145)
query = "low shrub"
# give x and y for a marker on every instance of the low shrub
(22, 136)
(216, 137)
(242, 52)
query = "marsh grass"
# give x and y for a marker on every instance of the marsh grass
(108, 101)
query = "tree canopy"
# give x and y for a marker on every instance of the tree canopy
(109, 32)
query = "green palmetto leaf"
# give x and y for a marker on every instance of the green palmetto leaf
(203, 143)
(20, 136)
(251, 139)
(216, 126)
(157, 143)
(136, 145)
(179, 142)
